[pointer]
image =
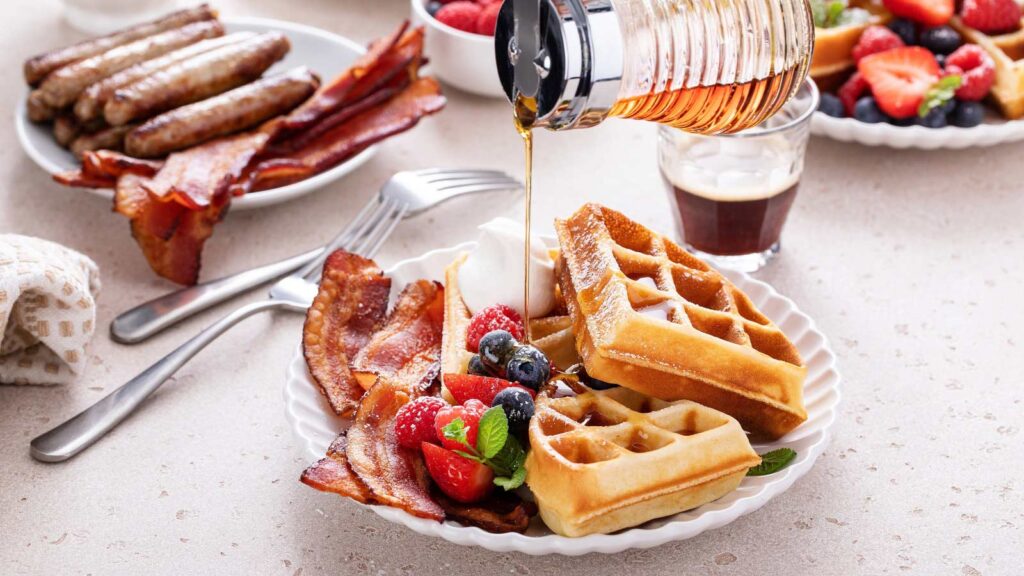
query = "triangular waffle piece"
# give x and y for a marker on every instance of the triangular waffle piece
(607, 460)
(551, 334)
(1007, 50)
(652, 317)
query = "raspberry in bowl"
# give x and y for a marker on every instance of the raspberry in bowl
(460, 42)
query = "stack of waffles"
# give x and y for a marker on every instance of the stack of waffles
(695, 361)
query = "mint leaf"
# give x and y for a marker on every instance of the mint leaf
(456, 430)
(492, 432)
(827, 13)
(835, 10)
(772, 462)
(511, 482)
(509, 459)
(941, 92)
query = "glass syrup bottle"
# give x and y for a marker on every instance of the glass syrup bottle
(703, 66)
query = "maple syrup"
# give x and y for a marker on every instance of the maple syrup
(524, 114)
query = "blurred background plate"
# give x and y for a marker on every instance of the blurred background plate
(994, 130)
(325, 53)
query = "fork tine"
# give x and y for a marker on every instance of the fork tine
(376, 209)
(383, 231)
(455, 174)
(482, 187)
(344, 236)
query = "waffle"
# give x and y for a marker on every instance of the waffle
(551, 334)
(1007, 50)
(650, 316)
(832, 60)
(607, 460)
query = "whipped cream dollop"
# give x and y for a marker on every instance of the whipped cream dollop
(493, 271)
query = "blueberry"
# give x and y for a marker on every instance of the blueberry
(905, 29)
(947, 107)
(902, 121)
(967, 114)
(831, 105)
(496, 347)
(936, 118)
(867, 110)
(940, 39)
(528, 366)
(433, 7)
(477, 366)
(518, 407)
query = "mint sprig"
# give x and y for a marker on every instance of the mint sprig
(941, 92)
(827, 13)
(772, 462)
(495, 447)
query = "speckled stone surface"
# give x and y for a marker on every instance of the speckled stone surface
(911, 262)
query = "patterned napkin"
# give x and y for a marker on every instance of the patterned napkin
(47, 310)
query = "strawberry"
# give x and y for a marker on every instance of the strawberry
(900, 78)
(851, 91)
(495, 317)
(414, 423)
(460, 478)
(926, 12)
(991, 16)
(461, 15)
(465, 387)
(488, 19)
(977, 71)
(875, 39)
(470, 413)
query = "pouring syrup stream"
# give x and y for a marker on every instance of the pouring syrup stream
(524, 114)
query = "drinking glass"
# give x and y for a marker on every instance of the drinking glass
(731, 193)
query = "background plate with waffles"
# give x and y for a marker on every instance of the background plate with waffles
(316, 427)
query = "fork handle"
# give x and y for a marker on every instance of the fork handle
(151, 317)
(78, 433)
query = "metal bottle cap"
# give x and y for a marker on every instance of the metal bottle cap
(565, 54)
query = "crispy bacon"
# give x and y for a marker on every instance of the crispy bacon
(102, 168)
(396, 476)
(333, 474)
(381, 60)
(349, 308)
(407, 348)
(421, 98)
(499, 513)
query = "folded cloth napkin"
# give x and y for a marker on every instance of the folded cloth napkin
(47, 310)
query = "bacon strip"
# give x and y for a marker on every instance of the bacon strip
(396, 476)
(333, 474)
(408, 347)
(500, 513)
(349, 308)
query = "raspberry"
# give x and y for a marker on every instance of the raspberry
(414, 422)
(495, 317)
(991, 16)
(488, 19)
(461, 15)
(875, 39)
(851, 91)
(977, 71)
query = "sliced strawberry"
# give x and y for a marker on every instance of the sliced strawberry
(470, 414)
(926, 12)
(875, 39)
(465, 387)
(460, 478)
(900, 78)
(991, 16)
(851, 91)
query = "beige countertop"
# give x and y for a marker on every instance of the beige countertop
(911, 263)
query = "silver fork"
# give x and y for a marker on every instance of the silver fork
(404, 194)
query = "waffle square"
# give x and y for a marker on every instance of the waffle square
(649, 316)
(607, 460)
(1007, 50)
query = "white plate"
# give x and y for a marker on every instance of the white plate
(325, 53)
(993, 131)
(316, 426)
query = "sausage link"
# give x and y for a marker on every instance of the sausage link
(229, 112)
(63, 86)
(65, 129)
(38, 67)
(39, 111)
(111, 138)
(197, 78)
(90, 102)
